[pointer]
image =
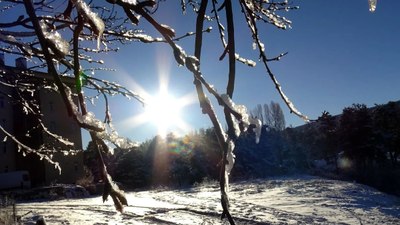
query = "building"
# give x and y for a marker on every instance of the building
(25, 127)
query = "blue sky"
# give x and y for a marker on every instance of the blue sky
(339, 54)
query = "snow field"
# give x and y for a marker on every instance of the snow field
(283, 200)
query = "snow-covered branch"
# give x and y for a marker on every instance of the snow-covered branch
(249, 7)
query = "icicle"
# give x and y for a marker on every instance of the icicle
(57, 167)
(96, 23)
(25, 110)
(372, 5)
(230, 157)
(257, 129)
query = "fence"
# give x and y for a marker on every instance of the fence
(7, 210)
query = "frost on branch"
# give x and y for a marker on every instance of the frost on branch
(26, 149)
(59, 46)
(266, 11)
(168, 30)
(246, 121)
(146, 38)
(262, 46)
(95, 22)
(88, 120)
(113, 137)
(130, 2)
(10, 39)
(248, 62)
(180, 55)
(192, 63)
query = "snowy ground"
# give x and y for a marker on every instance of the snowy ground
(289, 200)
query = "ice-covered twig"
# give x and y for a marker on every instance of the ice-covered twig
(372, 5)
(95, 22)
(245, 119)
(28, 149)
(112, 88)
(221, 30)
(251, 21)
(29, 110)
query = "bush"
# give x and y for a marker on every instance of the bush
(7, 210)
(86, 181)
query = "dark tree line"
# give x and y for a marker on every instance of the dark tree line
(182, 161)
(171, 161)
(361, 144)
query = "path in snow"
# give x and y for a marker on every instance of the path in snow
(290, 200)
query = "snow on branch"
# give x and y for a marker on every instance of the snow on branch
(57, 44)
(113, 88)
(87, 121)
(113, 137)
(246, 120)
(95, 22)
(10, 39)
(248, 9)
(221, 30)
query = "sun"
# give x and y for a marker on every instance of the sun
(164, 111)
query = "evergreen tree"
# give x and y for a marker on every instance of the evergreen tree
(328, 136)
(356, 136)
(387, 128)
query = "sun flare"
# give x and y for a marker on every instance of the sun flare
(164, 111)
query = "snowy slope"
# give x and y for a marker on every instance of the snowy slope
(288, 200)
